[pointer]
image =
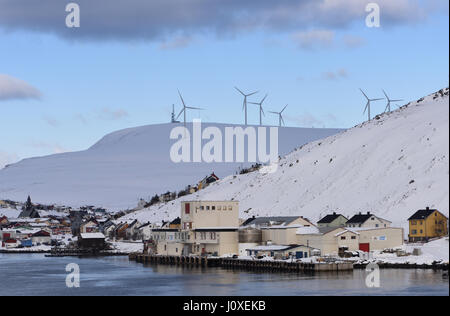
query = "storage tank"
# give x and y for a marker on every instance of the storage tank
(250, 235)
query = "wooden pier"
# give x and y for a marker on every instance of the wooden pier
(230, 263)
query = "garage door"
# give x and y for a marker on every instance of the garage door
(364, 247)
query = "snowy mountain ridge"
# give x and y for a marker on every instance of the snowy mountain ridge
(391, 166)
(123, 167)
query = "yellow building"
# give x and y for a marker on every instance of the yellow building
(426, 224)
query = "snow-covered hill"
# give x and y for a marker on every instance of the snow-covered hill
(122, 167)
(390, 166)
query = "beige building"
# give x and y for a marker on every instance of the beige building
(280, 251)
(207, 228)
(280, 235)
(330, 240)
(208, 214)
(367, 220)
(332, 220)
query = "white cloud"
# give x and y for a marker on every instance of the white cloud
(157, 20)
(110, 114)
(50, 121)
(314, 39)
(177, 42)
(335, 75)
(15, 89)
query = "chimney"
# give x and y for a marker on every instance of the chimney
(359, 213)
(428, 208)
(368, 213)
(334, 213)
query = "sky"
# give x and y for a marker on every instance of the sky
(62, 89)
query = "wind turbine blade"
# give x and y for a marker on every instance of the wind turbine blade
(193, 108)
(364, 94)
(252, 93)
(284, 108)
(274, 112)
(387, 107)
(396, 100)
(387, 98)
(181, 98)
(180, 114)
(262, 110)
(262, 101)
(254, 103)
(377, 99)
(239, 91)
(365, 109)
(282, 120)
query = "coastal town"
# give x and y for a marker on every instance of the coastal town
(214, 229)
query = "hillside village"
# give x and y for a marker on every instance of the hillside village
(235, 216)
(214, 229)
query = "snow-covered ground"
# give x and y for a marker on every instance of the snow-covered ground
(434, 251)
(41, 248)
(122, 167)
(127, 246)
(9, 212)
(12, 213)
(391, 166)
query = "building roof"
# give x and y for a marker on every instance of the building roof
(275, 247)
(362, 218)
(92, 236)
(359, 218)
(329, 218)
(307, 230)
(41, 233)
(273, 220)
(176, 221)
(216, 229)
(422, 214)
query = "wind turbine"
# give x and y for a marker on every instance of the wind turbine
(244, 106)
(185, 108)
(261, 110)
(388, 106)
(368, 103)
(280, 116)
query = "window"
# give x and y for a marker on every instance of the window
(202, 207)
(343, 238)
(421, 231)
(213, 208)
(230, 208)
(376, 225)
(414, 232)
(207, 208)
(353, 237)
(187, 208)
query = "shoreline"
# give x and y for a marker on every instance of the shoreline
(106, 254)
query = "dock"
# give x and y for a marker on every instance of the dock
(242, 264)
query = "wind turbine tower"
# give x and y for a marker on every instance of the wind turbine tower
(244, 105)
(261, 110)
(388, 106)
(280, 116)
(185, 108)
(367, 108)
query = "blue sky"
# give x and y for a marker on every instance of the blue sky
(89, 86)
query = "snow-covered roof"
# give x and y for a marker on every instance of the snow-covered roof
(346, 231)
(307, 230)
(92, 236)
(282, 227)
(274, 247)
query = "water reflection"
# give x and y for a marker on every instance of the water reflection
(37, 275)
